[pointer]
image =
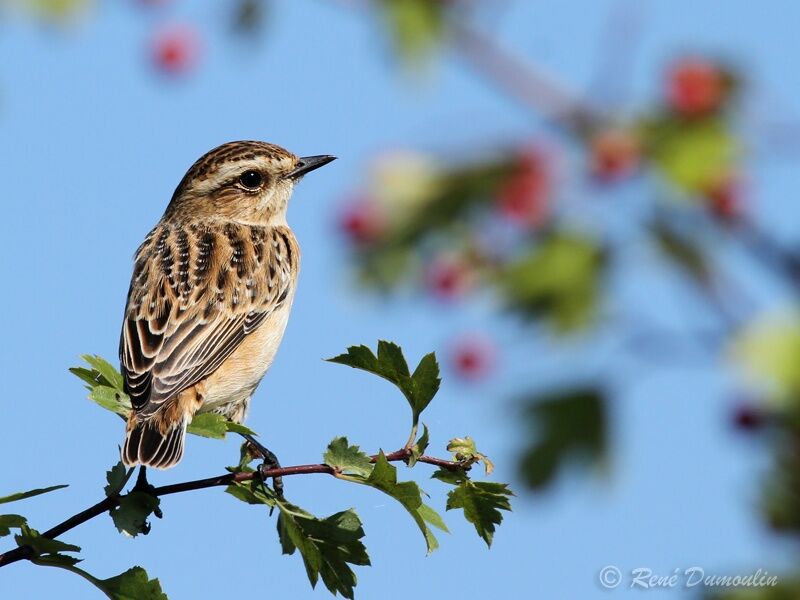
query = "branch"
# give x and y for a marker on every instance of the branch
(524, 81)
(105, 505)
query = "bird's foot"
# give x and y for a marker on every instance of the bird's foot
(270, 461)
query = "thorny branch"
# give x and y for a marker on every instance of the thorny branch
(24, 552)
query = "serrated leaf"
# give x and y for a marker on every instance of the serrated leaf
(464, 449)
(210, 425)
(42, 545)
(56, 560)
(432, 517)
(328, 546)
(133, 584)
(110, 376)
(426, 381)
(418, 449)
(130, 516)
(238, 428)
(251, 492)
(89, 376)
(347, 459)
(30, 493)
(419, 388)
(407, 493)
(117, 477)
(390, 354)
(111, 399)
(481, 502)
(105, 385)
(7, 522)
(566, 426)
(451, 476)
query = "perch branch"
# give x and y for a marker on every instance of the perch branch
(25, 552)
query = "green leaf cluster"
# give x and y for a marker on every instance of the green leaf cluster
(328, 546)
(418, 387)
(557, 280)
(564, 426)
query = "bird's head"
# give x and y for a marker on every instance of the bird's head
(247, 182)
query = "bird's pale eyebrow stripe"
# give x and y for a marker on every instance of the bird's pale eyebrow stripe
(228, 171)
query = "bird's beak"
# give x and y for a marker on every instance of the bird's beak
(307, 164)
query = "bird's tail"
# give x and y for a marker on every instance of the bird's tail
(145, 444)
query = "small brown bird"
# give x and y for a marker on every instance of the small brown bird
(210, 296)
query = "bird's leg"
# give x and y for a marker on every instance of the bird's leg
(270, 462)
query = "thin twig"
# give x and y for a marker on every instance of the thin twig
(524, 81)
(25, 552)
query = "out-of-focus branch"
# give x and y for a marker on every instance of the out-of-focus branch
(523, 80)
(25, 552)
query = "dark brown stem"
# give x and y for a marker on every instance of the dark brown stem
(24, 552)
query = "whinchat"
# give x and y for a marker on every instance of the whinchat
(210, 296)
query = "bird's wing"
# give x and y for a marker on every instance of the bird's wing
(197, 291)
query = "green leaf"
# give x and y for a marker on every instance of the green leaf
(251, 492)
(769, 351)
(564, 426)
(417, 26)
(419, 388)
(238, 428)
(451, 476)
(7, 522)
(481, 502)
(328, 546)
(559, 280)
(215, 426)
(108, 374)
(133, 584)
(42, 545)
(432, 517)
(111, 399)
(692, 154)
(347, 459)
(105, 385)
(390, 354)
(464, 449)
(130, 517)
(210, 425)
(407, 493)
(117, 477)
(29, 494)
(418, 449)
(426, 382)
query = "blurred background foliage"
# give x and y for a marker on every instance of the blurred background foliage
(502, 222)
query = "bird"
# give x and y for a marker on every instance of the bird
(210, 295)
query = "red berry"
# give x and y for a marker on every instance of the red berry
(523, 196)
(724, 198)
(615, 154)
(362, 222)
(472, 358)
(175, 50)
(695, 87)
(448, 277)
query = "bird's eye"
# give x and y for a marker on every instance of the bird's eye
(251, 180)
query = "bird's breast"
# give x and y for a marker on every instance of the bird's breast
(236, 379)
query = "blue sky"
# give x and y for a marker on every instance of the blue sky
(92, 145)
